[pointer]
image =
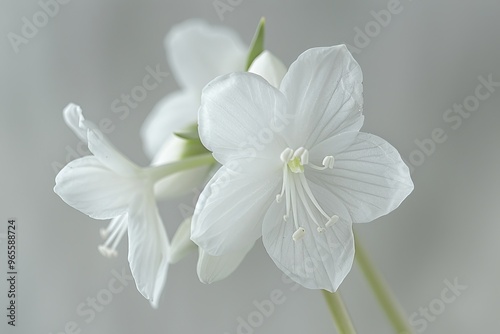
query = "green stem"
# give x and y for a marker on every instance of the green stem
(382, 292)
(159, 172)
(339, 313)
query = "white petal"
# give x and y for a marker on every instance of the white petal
(239, 117)
(174, 112)
(324, 88)
(148, 247)
(73, 117)
(181, 242)
(92, 188)
(269, 67)
(229, 212)
(109, 156)
(211, 269)
(368, 175)
(318, 260)
(198, 52)
(98, 144)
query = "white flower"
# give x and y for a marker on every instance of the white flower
(107, 185)
(296, 170)
(197, 53)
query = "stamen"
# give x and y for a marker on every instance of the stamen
(286, 155)
(299, 234)
(333, 219)
(328, 162)
(117, 227)
(296, 186)
(299, 152)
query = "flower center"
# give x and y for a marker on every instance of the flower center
(295, 188)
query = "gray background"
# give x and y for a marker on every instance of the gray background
(425, 60)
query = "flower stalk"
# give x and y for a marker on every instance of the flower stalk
(339, 312)
(382, 292)
(159, 172)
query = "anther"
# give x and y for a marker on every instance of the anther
(286, 155)
(103, 233)
(278, 198)
(321, 229)
(107, 252)
(298, 152)
(299, 234)
(333, 219)
(328, 161)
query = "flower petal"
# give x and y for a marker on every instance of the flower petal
(109, 156)
(211, 269)
(318, 260)
(269, 67)
(148, 247)
(241, 116)
(73, 117)
(181, 242)
(324, 89)
(368, 175)
(92, 188)
(198, 52)
(229, 212)
(174, 112)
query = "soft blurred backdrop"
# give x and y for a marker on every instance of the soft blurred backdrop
(421, 62)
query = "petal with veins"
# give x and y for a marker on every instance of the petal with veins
(148, 247)
(228, 214)
(92, 188)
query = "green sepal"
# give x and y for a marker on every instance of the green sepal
(257, 45)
